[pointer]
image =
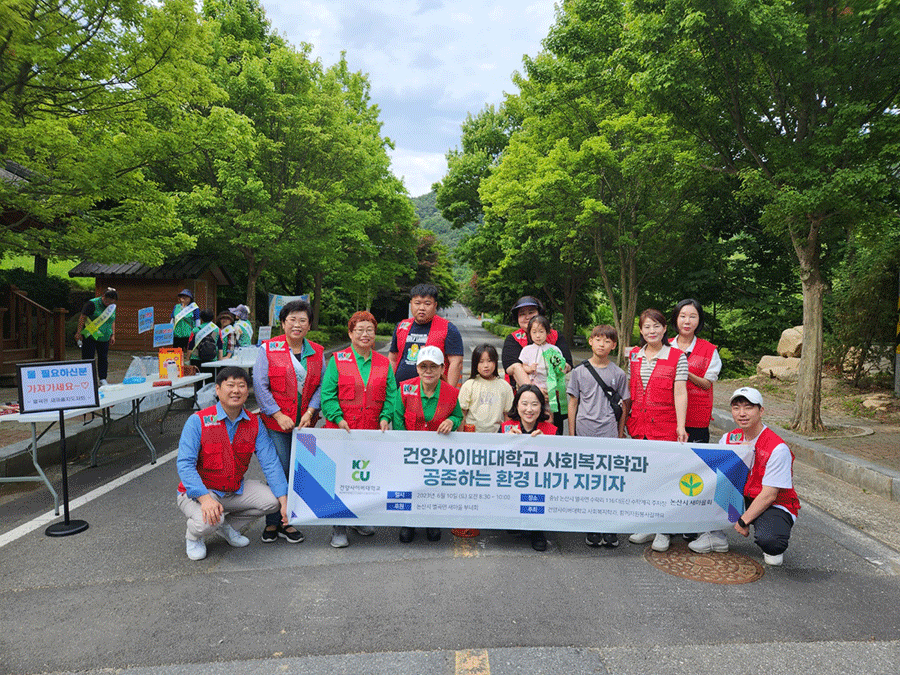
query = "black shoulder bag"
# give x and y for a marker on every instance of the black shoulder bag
(614, 399)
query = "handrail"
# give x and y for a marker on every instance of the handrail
(24, 296)
(32, 326)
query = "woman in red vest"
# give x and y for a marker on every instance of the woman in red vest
(704, 366)
(287, 378)
(657, 378)
(427, 404)
(529, 416)
(358, 392)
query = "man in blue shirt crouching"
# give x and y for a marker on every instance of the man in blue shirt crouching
(213, 455)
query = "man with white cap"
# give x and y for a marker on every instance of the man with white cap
(771, 504)
(428, 404)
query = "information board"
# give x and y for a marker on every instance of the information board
(57, 385)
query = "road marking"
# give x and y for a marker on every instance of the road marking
(50, 516)
(472, 662)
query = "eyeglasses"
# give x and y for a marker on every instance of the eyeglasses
(364, 331)
(293, 320)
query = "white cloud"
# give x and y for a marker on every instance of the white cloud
(418, 170)
(429, 62)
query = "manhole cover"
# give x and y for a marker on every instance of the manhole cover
(713, 568)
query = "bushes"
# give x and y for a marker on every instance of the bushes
(497, 329)
(51, 292)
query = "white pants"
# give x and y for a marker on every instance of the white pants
(240, 510)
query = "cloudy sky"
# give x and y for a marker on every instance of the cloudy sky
(429, 62)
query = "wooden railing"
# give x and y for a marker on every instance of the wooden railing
(30, 332)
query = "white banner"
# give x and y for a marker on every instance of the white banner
(507, 481)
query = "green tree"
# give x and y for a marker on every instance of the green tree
(484, 138)
(293, 173)
(91, 94)
(800, 100)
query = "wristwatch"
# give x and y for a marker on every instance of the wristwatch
(742, 523)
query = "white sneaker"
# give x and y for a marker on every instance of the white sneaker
(195, 548)
(641, 538)
(660, 542)
(364, 530)
(232, 536)
(773, 560)
(339, 537)
(709, 542)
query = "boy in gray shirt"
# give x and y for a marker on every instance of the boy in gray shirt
(591, 411)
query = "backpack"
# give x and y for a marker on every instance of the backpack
(207, 350)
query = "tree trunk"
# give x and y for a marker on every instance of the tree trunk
(808, 401)
(570, 293)
(252, 277)
(317, 300)
(40, 266)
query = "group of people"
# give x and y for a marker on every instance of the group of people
(665, 395)
(204, 337)
(196, 332)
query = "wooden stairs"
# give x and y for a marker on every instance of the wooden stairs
(29, 332)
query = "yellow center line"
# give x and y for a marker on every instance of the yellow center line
(472, 662)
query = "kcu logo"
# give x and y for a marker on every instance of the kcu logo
(358, 474)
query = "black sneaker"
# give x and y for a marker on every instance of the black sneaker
(538, 541)
(611, 540)
(294, 537)
(593, 539)
(268, 536)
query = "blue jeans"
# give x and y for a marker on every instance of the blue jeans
(282, 442)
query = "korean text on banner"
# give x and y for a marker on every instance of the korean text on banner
(145, 320)
(163, 334)
(506, 481)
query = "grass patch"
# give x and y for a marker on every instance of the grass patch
(58, 269)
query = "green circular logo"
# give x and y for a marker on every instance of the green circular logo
(691, 484)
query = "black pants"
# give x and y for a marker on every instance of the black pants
(90, 347)
(697, 434)
(772, 529)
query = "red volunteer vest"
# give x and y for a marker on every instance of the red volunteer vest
(653, 409)
(414, 416)
(221, 462)
(700, 401)
(361, 403)
(283, 378)
(521, 337)
(765, 444)
(545, 427)
(437, 337)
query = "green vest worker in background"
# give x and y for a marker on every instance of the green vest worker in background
(97, 330)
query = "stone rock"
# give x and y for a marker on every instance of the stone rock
(878, 402)
(779, 367)
(791, 342)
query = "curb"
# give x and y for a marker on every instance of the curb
(854, 470)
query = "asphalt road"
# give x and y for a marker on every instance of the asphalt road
(122, 597)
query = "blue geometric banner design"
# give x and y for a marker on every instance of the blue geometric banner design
(731, 475)
(314, 479)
